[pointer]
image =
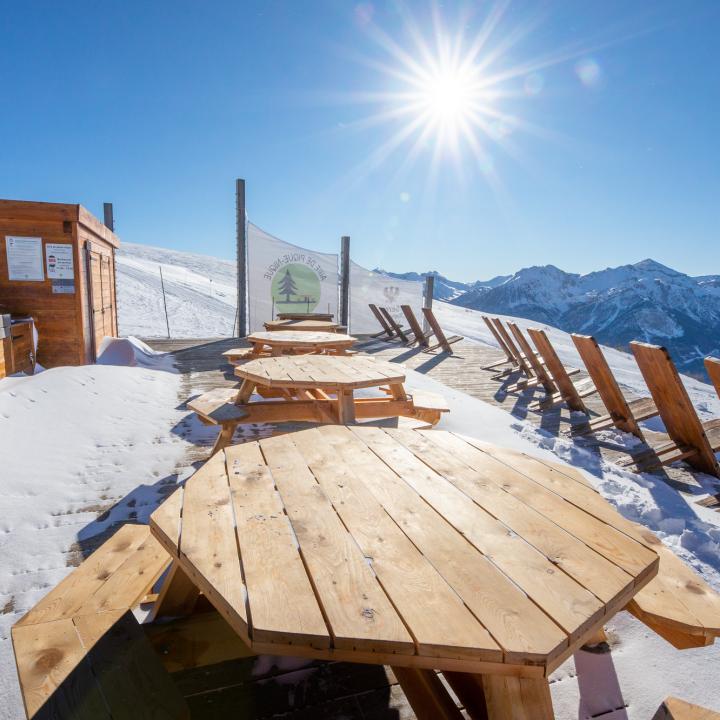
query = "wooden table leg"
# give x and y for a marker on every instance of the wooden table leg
(178, 595)
(426, 694)
(246, 390)
(398, 392)
(224, 438)
(345, 407)
(257, 349)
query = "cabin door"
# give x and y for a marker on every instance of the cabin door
(101, 295)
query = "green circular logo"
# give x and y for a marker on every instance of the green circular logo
(295, 288)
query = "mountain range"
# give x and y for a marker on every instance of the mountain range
(645, 301)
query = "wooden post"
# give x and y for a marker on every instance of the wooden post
(162, 287)
(108, 216)
(345, 280)
(428, 298)
(241, 320)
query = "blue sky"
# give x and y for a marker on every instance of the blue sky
(606, 150)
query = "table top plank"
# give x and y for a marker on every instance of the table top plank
(312, 371)
(559, 595)
(438, 619)
(301, 325)
(605, 539)
(520, 627)
(296, 338)
(284, 606)
(589, 568)
(208, 543)
(358, 611)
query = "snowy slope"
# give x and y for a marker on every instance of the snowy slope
(200, 292)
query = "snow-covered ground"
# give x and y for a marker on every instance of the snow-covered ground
(75, 440)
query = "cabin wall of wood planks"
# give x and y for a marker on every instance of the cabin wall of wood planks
(70, 325)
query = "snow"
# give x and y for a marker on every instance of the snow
(74, 441)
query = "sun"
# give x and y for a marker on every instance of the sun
(447, 96)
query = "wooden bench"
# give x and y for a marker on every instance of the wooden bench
(81, 653)
(443, 341)
(690, 439)
(676, 709)
(566, 391)
(624, 415)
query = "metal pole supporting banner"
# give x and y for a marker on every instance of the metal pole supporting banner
(240, 231)
(345, 280)
(428, 298)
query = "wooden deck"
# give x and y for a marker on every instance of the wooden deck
(275, 687)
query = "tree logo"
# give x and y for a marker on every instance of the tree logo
(295, 288)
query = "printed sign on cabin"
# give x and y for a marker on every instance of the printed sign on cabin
(59, 261)
(24, 258)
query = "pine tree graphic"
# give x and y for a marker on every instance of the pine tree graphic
(287, 286)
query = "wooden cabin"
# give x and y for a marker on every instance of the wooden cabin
(57, 267)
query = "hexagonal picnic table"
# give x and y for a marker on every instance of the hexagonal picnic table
(291, 342)
(421, 550)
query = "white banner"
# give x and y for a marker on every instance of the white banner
(284, 278)
(367, 287)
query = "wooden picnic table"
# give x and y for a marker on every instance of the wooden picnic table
(421, 550)
(302, 325)
(322, 377)
(284, 342)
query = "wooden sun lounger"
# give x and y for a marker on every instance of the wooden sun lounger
(80, 651)
(712, 365)
(396, 328)
(420, 337)
(624, 415)
(691, 440)
(536, 363)
(567, 391)
(443, 341)
(520, 359)
(675, 709)
(510, 358)
(386, 329)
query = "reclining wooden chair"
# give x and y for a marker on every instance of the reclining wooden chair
(420, 337)
(538, 367)
(712, 365)
(510, 358)
(567, 391)
(395, 326)
(624, 415)
(386, 331)
(691, 440)
(520, 359)
(443, 341)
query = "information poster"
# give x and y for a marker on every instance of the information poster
(59, 261)
(24, 258)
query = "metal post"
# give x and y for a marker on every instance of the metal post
(345, 280)
(428, 298)
(241, 319)
(162, 286)
(108, 216)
